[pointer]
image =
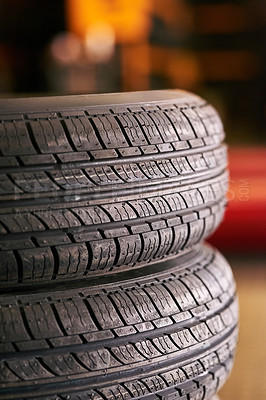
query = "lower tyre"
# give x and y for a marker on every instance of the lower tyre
(166, 331)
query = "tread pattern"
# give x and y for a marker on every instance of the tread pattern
(43, 138)
(74, 242)
(165, 335)
(89, 193)
(26, 182)
(91, 189)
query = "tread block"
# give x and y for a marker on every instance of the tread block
(197, 289)
(183, 339)
(210, 225)
(70, 179)
(7, 244)
(105, 312)
(36, 345)
(174, 377)
(180, 123)
(142, 208)
(9, 266)
(127, 353)
(105, 153)
(132, 129)
(192, 197)
(82, 133)
(36, 264)
(62, 365)
(197, 162)
(137, 388)
(75, 317)
(196, 230)
(42, 321)
(201, 332)
(109, 131)
(10, 186)
(56, 219)
(104, 175)
(29, 369)
(131, 172)
(115, 392)
(166, 240)
(182, 294)
(34, 182)
(14, 138)
(149, 128)
(163, 300)
(91, 215)
(195, 122)
(119, 211)
(150, 248)
(49, 136)
(181, 235)
(16, 223)
(210, 119)
(100, 335)
(145, 308)
(97, 360)
(127, 308)
(65, 341)
(73, 259)
(73, 157)
(8, 161)
(12, 327)
(164, 126)
(50, 240)
(175, 201)
(130, 249)
(103, 254)
(160, 205)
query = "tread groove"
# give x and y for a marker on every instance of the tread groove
(31, 135)
(25, 322)
(19, 266)
(57, 317)
(45, 366)
(56, 262)
(91, 312)
(67, 133)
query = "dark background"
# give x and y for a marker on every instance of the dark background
(214, 48)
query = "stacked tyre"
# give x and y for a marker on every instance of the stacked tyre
(107, 289)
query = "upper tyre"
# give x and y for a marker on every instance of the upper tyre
(95, 182)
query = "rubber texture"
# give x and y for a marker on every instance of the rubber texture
(162, 332)
(91, 184)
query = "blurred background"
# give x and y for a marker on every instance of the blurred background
(216, 49)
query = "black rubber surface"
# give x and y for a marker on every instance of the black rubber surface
(161, 332)
(89, 184)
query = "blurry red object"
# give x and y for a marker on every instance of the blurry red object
(244, 225)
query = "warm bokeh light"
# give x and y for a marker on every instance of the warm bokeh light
(129, 20)
(212, 48)
(66, 48)
(100, 42)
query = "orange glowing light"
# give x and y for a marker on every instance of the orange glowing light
(129, 20)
